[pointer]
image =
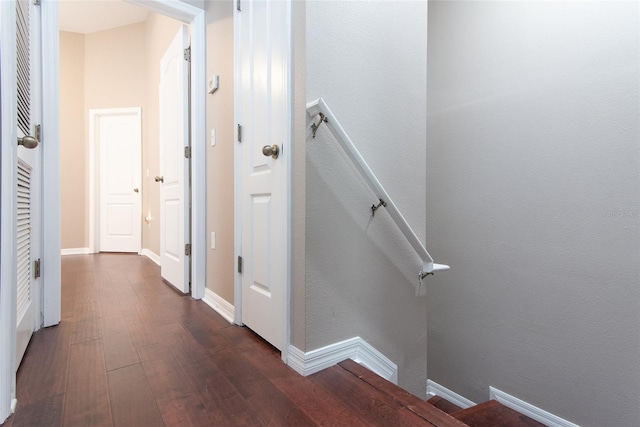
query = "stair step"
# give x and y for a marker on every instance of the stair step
(494, 414)
(443, 404)
(402, 397)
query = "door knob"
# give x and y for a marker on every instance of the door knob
(159, 179)
(28, 141)
(271, 150)
(135, 190)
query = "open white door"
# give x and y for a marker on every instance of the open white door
(29, 176)
(174, 166)
(118, 135)
(263, 38)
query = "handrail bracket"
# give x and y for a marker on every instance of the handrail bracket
(374, 208)
(315, 126)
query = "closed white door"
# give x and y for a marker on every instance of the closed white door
(264, 45)
(174, 166)
(119, 139)
(29, 197)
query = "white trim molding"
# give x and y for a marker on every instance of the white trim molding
(51, 275)
(151, 255)
(219, 304)
(435, 389)
(75, 251)
(355, 348)
(528, 409)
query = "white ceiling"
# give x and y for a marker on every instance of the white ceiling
(88, 16)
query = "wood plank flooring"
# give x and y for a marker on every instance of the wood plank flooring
(130, 351)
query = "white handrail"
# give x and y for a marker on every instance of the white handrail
(320, 108)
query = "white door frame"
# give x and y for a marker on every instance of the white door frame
(289, 144)
(94, 173)
(195, 18)
(51, 269)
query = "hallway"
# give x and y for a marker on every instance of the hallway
(130, 351)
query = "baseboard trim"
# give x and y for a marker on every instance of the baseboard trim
(75, 251)
(435, 389)
(528, 409)
(219, 304)
(355, 348)
(151, 255)
(14, 403)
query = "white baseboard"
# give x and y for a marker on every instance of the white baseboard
(355, 348)
(219, 304)
(435, 389)
(528, 409)
(75, 251)
(14, 403)
(152, 256)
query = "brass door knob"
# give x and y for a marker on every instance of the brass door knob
(159, 179)
(135, 190)
(271, 150)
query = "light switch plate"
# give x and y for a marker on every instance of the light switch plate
(213, 137)
(213, 240)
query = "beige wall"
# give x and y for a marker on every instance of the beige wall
(120, 69)
(220, 158)
(73, 149)
(115, 68)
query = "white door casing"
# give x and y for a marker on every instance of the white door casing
(174, 166)
(29, 182)
(264, 111)
(117, 133)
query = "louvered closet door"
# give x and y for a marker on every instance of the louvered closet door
(29, 164)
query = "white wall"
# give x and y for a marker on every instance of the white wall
(533, 190)
(368, 61)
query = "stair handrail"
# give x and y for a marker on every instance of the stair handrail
(320, 108)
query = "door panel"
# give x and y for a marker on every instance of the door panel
(29, 197)
(263, 70)
(119, 138)
(174, 167)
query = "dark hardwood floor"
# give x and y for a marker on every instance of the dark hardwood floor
(130, 351)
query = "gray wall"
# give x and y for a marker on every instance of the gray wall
(368, 61)
(533, 196)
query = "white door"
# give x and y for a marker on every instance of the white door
(29, 197)
(264, 116)
(174, 166)
(118, 135)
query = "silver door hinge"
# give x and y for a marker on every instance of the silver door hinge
(36, 269)
(239, 264)
(36, 2)
(38, 133)
(187, 54)
(239, 133)
(187, 249)
(238, 5)
(187, 152)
